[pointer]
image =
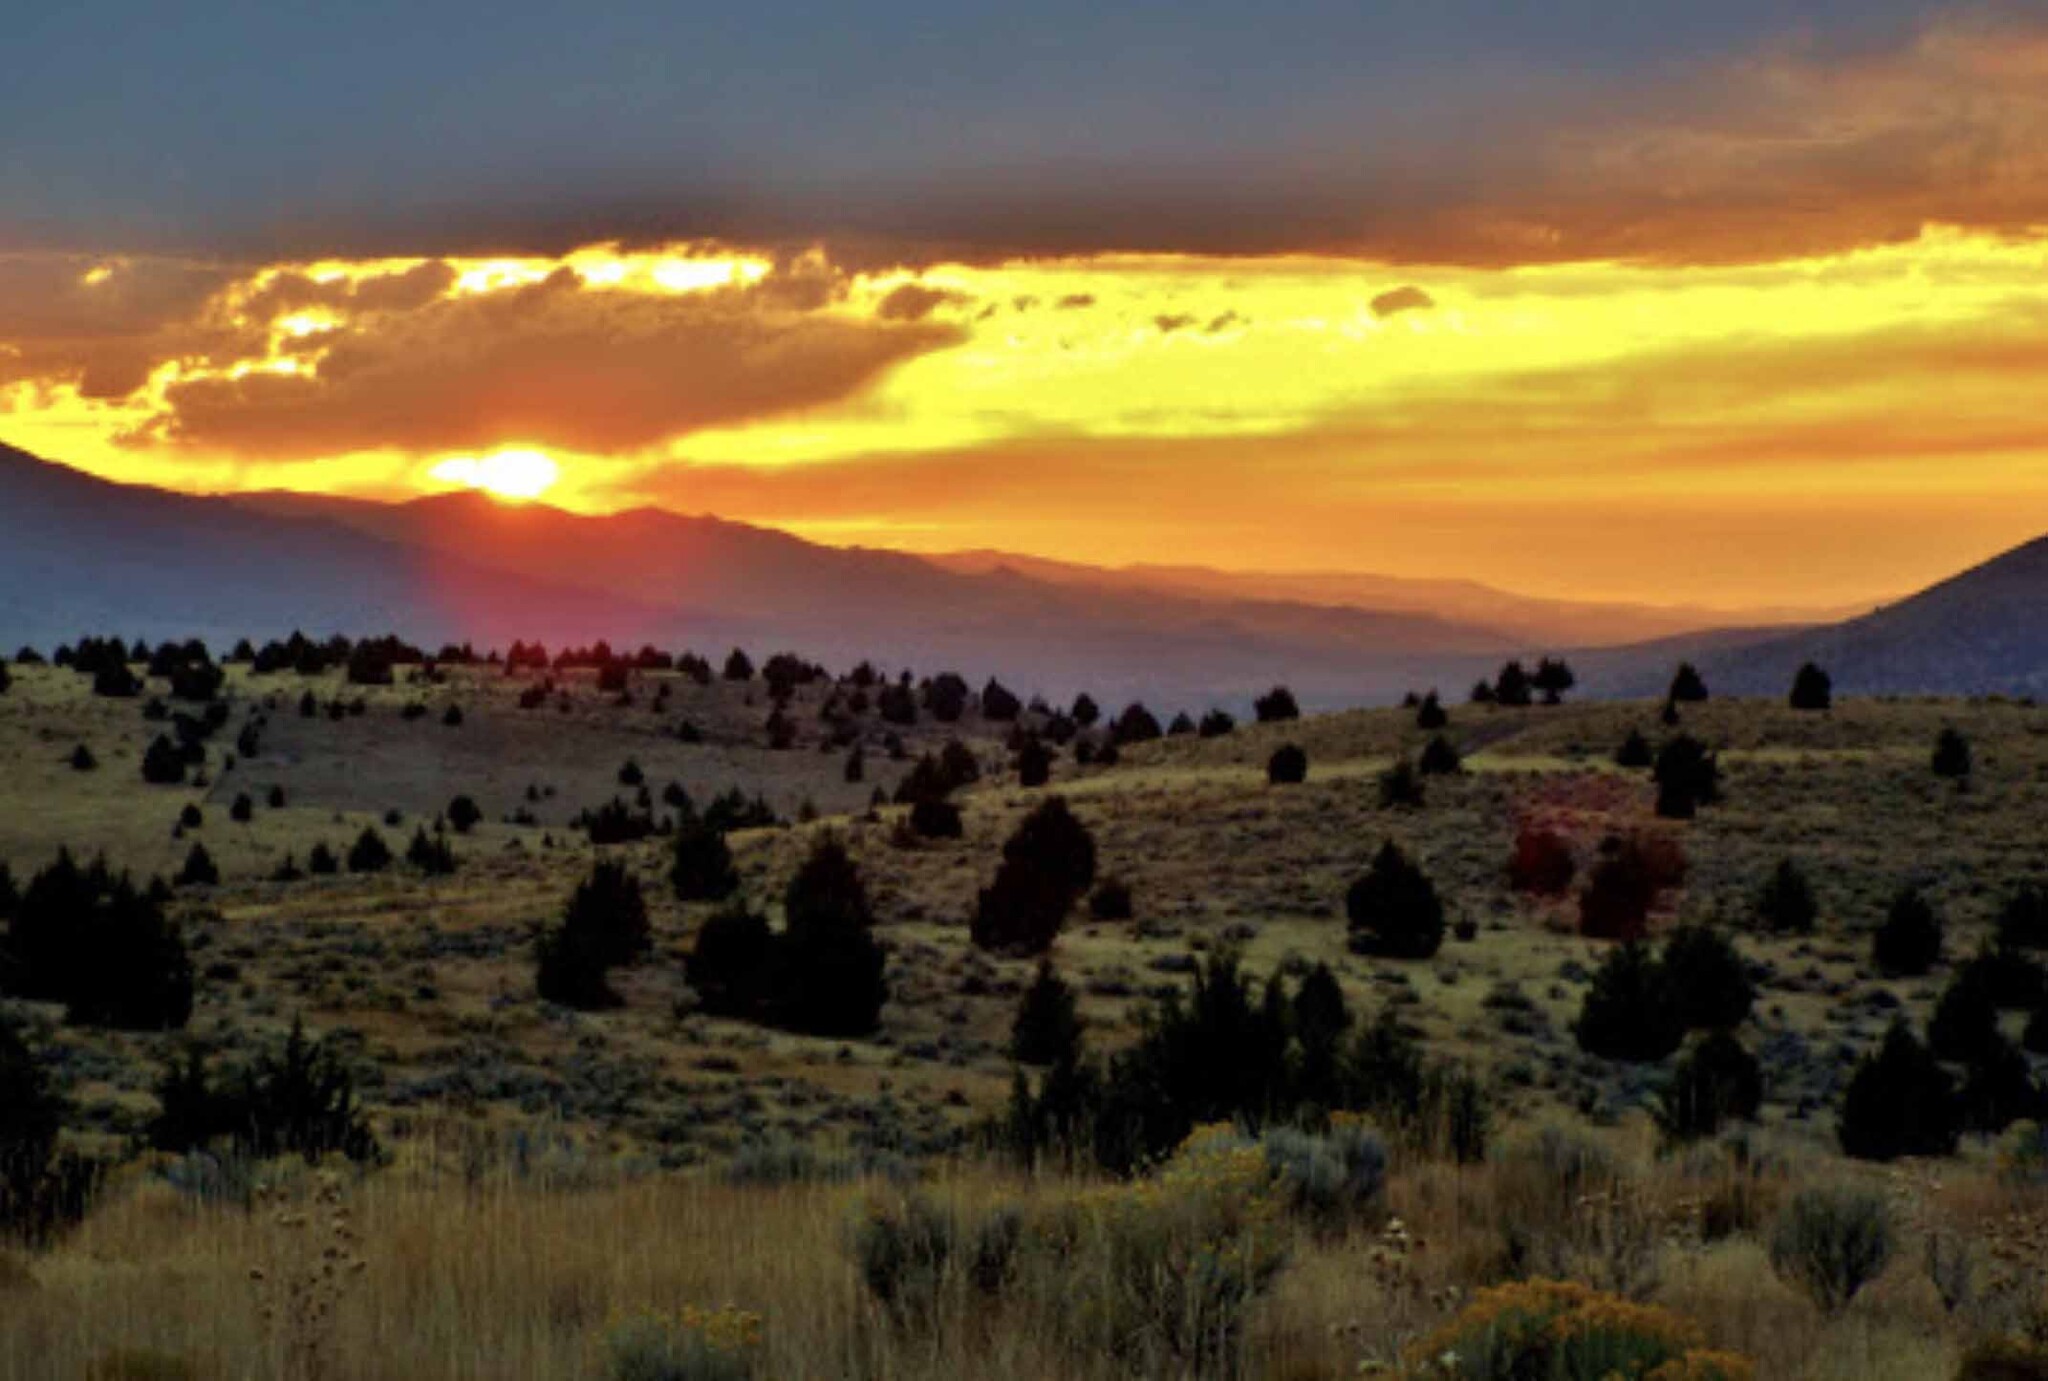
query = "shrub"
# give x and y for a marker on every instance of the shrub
(609, 913)
(915, 1257)
(1687, 685)
(1021, 911)
(101, 946)
(1628, 1014)
(1687, 777)
(243, 810)
(1439, 758)
(1899, 1102)
(1393, 908)
(82, 759)
(700, 863)
(1511, 686)
(739, 666)
(1331, 1179)
(1110, 901)
(1288, 766)
(1034, 763)
(297, 1099)
(1085, 711)
(1400, 786)
(998, 703)
(321, 862)
(1812, 689)
(1620, 893)
(1909, 942)
(932, 817)
(1716, 1081)
(1053, 841)
(1541, 863)
(1216, 724)
(1047, 1029)
(730, 965)
(1557, 1330)
(1276, 705)
(1707, 980)
(463, 815)
(615, 822)
(1951, 755)
(199, 869)
(1831, 1242)
(1786, 904)
(1430, 715)
(1135, 725)
(369, 854)
(569, 973)
(830, 967)
(31, 1113)
(2023, 924)
(430, 853)
(163, 764)
(691, 1345)
(2003, 1359)
(1635, 751)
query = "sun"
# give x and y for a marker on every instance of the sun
(517, 474)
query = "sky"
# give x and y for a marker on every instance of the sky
(1741, 305)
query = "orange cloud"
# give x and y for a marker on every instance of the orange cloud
(550, 363)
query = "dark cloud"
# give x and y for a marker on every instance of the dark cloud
(1169, 322)
(1403, 299)
(1075, 301)
(103, 325)
(553, 363)
(915, 302)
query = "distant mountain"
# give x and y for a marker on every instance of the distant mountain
(1984, 631)
(840, 604)
(82, 554)
(1519, 619)
(79, 554)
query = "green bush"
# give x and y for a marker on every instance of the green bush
(694, 1345)
(1831, 1242)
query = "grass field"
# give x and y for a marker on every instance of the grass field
(554, 1169)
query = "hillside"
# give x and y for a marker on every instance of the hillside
(1521, 619)
(1984, 631)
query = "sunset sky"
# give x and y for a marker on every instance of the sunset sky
(1733, 304)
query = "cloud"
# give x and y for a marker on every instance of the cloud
(1403, 299)
(915, 302)
(550, 363)
(102, 324)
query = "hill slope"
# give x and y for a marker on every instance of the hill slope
(1984, 631)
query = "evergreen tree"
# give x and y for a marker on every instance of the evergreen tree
(1899, 1102)
(1288, 766)
(1687, 685)
(1812, 689)
(1717, 1081)
(1628, 1014)
(1393, 908)
(1047, 1030)
(1786, 904)
(1910, 941)
(700, 865)
(1951, 755)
